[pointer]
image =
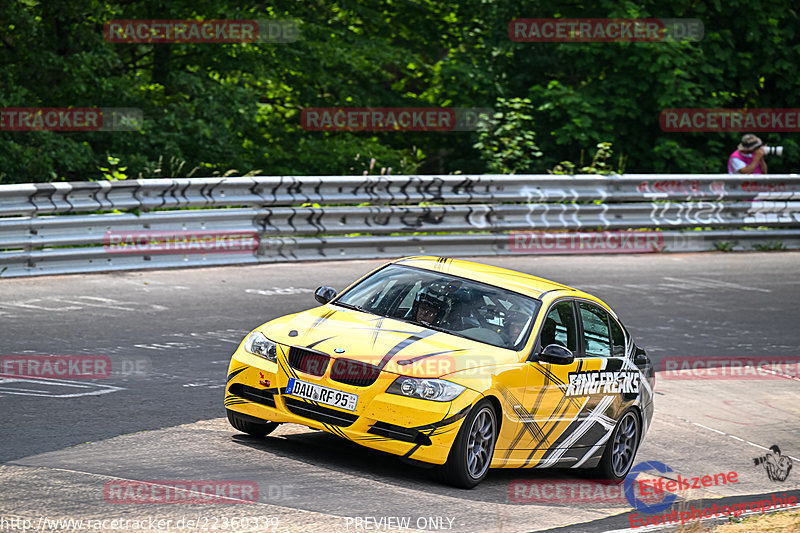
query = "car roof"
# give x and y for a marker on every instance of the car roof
(500, 277)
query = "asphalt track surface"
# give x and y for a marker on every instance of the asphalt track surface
(169, 335)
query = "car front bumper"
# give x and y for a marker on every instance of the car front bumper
(419, 429)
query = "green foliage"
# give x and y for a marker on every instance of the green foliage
(369, 165)
(113, 171)
(725, 246)
(508, 146)
(600, 163)
(175, 167)
(770, 246)
(234, 109)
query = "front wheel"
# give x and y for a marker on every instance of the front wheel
(471, 454)
(620, 449)
(245, 425)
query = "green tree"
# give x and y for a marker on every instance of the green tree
(230, 109)
(509, 145)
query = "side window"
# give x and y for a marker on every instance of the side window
(559, 327)
(595, 330)
(617, 339)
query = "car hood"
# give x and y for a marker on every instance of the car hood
(393, 345)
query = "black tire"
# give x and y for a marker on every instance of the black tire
(471, 454)
(620, 449)
(245, 425)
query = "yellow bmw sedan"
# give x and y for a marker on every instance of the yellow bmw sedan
(458, 364)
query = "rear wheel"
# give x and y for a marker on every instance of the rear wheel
(471, 454)
(620, 449)
(247, 425)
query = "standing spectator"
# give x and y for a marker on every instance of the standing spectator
(748, 157)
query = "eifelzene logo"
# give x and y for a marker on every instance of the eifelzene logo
(601, 382)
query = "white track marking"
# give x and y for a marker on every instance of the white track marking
(734, 437)
(94, 388)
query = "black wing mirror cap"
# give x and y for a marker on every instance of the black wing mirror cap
(324, 294)
(557, 354)
(640, 357)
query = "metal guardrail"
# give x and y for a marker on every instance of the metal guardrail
(54, 228)
(151, 194)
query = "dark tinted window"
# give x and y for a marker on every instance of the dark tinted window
(595, 330)
(559, 327)
(617, 338)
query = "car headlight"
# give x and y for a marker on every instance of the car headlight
(257, 344)
(437, 390)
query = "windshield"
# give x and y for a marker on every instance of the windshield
(445, 303)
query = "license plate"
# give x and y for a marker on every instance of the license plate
(318, 393)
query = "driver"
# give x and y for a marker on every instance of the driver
(427, 313)
(514, 323)
(432, 306)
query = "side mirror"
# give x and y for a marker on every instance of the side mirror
(557, 354)
(324, 294)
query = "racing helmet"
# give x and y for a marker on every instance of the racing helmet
(437, 297)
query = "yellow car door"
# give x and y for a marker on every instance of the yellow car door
(543, 410)
(567, 400)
